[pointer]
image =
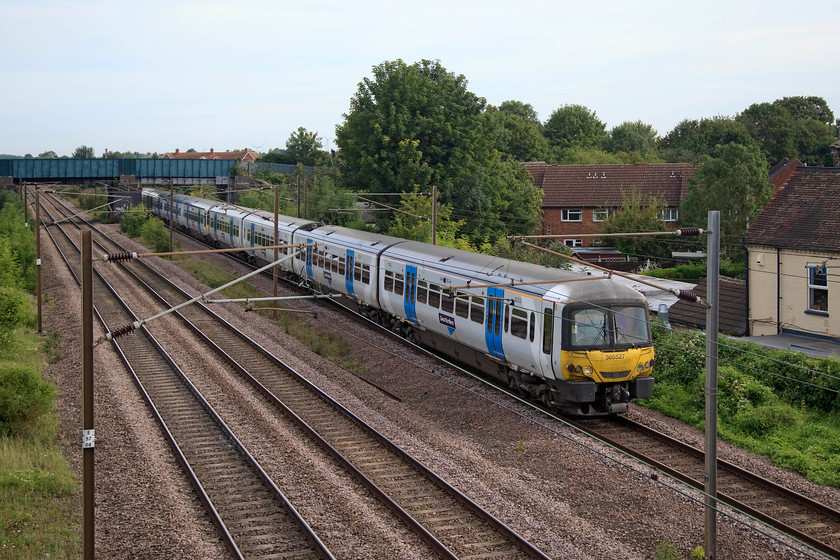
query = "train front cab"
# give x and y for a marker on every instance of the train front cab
(601, 355)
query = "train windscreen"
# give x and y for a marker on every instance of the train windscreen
(613, 327)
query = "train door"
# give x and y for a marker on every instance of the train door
(309, 247)
(348, 273)
(493, 326)
(232, 242)
(549, 356)
(410, 293)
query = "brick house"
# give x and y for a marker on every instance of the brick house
(244, 156)
(577, 198)
(793, 254)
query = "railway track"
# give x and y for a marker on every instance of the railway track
(791, 513)
(449, 523)
(254, 517)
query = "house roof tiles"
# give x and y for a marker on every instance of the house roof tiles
(732, 307)
(605, 185)
(804, 214)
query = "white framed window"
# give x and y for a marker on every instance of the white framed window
(600, 215)
(669, 214)
(571, 214)
(817, 288)
(573, 242)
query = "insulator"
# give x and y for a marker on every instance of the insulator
(688, 296)
(688, 232)
(125, 256)
(122, 331)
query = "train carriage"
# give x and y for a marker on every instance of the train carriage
(580, 343)
(345, 261)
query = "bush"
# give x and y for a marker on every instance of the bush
(133, 220)
(15, 309)
(155, 236)
(24, 398)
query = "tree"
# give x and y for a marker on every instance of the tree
(49, 154)
(794, 127)
(734, 182)
(693, 139)
(84, 152)
(632, 137)
(304, 146)
(414, 126)
(637, 214)
(574, 126)
(517, 134)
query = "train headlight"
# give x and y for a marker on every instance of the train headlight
(641, 367)
(587, 371)
(648, 364)
(574, 369)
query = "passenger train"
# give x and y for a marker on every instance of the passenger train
(580, 344)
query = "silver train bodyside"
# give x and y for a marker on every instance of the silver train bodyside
(579, 344)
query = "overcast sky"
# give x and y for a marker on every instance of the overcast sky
(159, 75)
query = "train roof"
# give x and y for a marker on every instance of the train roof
(559, 284)
(357, 239)
(286, 222)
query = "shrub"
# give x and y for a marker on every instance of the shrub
(24, 398)
(155, 236)
(133, 220)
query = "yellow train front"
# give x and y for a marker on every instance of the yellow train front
(605, 356)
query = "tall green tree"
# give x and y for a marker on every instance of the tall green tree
(794, 127)
(305, 147)
(84, 152)
(49, 154)
(693, 139)
(517, 132)
(632, 137)
(411, 126)
(734, 182)
(574, 126)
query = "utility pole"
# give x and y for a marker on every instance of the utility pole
(38, 255)
(434, 214)
(711, 389)
(171, 199)
(275, 243)
(88, 434)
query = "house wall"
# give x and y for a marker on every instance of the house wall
(791, 291)
(553, 224)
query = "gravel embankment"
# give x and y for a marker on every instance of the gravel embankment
(569, 495)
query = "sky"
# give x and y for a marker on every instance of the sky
(153, 76)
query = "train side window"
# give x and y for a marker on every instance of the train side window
(357, 271)
(422, 291)
(399, 283)
(507, 318)
(462, 307)
(434, 296)
(342, 267)
(389, 281)
(519, 324)
(477, 310)
(447, 303)
(548, 324)
(498, 317)
(365, 274)
(532, 326)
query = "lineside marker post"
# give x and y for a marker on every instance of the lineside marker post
(712, 314)
(88, 437)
